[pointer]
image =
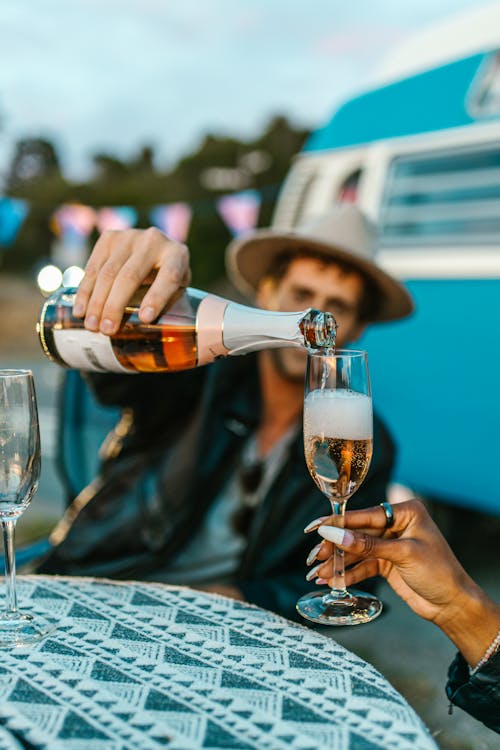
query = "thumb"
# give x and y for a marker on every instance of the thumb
(363, 545)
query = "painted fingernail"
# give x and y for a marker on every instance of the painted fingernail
(91, 322)
(312, 573)
(147, 314)
(311, 557)
(321, 581)
(78, 309)
(314, 524)
(107, 326)
(342, 537)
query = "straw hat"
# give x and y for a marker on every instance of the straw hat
(344, 234)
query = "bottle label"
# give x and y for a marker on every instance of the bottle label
(86, 350)
(209, 329)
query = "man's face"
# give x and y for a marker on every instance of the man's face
(309, 282)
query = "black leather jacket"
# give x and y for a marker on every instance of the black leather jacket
(272, 569)
(478, 694)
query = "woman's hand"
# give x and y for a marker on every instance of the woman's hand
(412, 555)
(119, 264)
(417, 562)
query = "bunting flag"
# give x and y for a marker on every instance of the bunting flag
(116, 217)
(13, 212)
(240, 211)
(73, 218)
(72, 223)
(173, 219)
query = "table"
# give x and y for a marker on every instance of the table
(146, 666)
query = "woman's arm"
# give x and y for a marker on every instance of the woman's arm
(417, 562)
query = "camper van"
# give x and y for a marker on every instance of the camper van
(419, 151)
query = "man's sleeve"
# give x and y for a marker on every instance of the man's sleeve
(160, 402)
(141, 391)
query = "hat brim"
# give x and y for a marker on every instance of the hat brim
(250, 259)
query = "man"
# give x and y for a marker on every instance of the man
(223, 444)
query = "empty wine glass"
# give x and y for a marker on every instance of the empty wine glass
(338, 444)
(19, 476)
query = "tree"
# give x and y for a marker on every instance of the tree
(34, 159)
(109, 167)
(261, 163)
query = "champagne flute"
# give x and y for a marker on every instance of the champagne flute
(338, 443)
(19, 476)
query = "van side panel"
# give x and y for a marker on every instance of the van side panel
(435, 380)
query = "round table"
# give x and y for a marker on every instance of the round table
(143, 666)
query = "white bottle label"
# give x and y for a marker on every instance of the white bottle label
(86, 350)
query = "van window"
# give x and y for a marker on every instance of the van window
(450, 197)
(485, 96)
(348, 191)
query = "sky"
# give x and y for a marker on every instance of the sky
(112, 75)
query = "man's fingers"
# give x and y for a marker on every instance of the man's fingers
(173, 274)
(132, 264)
(100, 254)
(149, 253)
(111, 291)
(120, 263)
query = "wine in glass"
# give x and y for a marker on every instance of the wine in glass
(338, 443)
(19, 476)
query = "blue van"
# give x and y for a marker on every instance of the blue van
(420, 153)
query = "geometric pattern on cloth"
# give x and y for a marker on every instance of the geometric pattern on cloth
(142, 666)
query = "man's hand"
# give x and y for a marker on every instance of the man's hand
(119, 264)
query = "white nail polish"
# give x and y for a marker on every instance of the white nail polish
(332, 533)
(314, 524)
(311, 557)
(313, 571)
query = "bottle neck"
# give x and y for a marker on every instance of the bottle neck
(247, 329)
(319, 329)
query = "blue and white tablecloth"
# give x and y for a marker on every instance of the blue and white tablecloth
(147, 666)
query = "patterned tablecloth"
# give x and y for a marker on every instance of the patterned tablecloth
(140, 666)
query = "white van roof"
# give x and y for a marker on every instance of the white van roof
(460, 36)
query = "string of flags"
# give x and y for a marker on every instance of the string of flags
(13, 212)
(72, 223)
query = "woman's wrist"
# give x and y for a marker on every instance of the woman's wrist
(472, 622)
(490, 652)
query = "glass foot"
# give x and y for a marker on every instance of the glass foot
(21, 629)
(354, 609)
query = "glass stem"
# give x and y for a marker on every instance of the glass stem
(8, 528)
(338, 590)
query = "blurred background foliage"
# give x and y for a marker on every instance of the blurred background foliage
(219, 166)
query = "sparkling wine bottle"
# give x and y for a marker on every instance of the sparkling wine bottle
(195, 330)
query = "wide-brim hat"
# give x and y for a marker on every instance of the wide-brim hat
(344, 234)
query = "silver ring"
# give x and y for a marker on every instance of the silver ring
(389, 515)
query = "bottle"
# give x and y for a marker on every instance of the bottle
(195, 330)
